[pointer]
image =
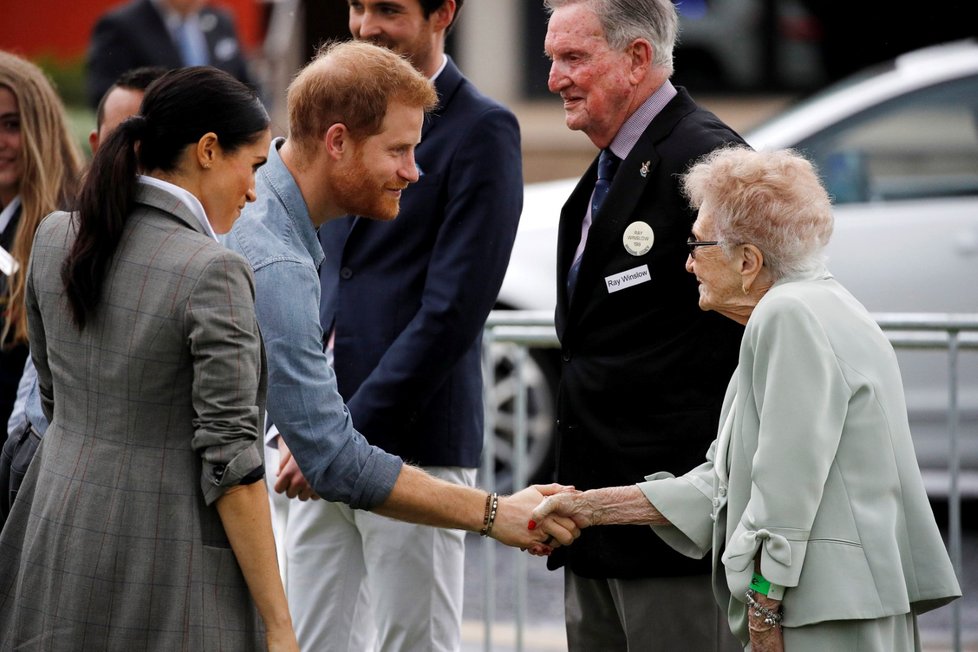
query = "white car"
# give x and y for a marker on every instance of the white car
(897, 147)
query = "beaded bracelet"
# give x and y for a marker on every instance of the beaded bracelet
(771, 617)
(492, 504)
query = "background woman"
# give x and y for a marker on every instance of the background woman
(39, 169)
(140, 524)
(811, 497)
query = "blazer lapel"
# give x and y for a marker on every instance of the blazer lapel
(569, 236)
(446, 85)
(620, 206)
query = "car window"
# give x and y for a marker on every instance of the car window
(920, 145)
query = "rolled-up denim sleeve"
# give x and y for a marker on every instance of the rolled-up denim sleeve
(226, 349)
(303, 400)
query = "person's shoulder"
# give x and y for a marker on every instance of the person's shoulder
(697, 130)
(472, 101)
(257, 235)
(56, 221)
(56, 230)
(123, 14)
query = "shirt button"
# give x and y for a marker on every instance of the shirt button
(346, 273)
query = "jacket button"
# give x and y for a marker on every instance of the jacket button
(566, 356)
(346, 273)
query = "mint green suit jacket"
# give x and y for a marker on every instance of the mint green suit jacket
(819, 478)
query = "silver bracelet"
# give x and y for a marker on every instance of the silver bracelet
(771, 617)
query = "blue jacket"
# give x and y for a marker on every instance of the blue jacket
(409, 298)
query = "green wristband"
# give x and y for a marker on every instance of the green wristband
(759, 584)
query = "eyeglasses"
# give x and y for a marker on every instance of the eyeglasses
(693, 243)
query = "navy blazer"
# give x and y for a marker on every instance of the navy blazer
(135, 35)
(644, 369)
(408, 298)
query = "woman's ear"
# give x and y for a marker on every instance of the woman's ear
(752, 262)
(207, 150)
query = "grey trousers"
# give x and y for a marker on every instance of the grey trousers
(644, 615)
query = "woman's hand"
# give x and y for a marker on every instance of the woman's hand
(514, 514)
(281, 639)
(608, 506)
(763, 636)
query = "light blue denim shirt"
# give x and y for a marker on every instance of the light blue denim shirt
(277, 237)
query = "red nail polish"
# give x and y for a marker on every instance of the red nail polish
(532, 525)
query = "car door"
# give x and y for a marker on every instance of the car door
(904, 178)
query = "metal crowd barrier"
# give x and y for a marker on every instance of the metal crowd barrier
(535, 329)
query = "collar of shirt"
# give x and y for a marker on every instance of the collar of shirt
(277, 176)
(639, 121)
(173, 19)
(444, 62)
(186, 198)
(8, 213)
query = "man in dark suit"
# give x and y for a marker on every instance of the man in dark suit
(644, 370)
(403, 306)
(168, 33)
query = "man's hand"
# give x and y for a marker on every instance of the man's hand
(290, 480)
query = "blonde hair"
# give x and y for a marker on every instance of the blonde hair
(773, 200)
(51, 169)
(352, 83)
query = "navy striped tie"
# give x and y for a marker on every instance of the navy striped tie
(607, 166)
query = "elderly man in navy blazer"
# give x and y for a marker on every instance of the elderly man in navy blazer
(168, 33)
(403, 306)
(644, 370)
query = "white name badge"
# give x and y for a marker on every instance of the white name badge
(638, 238)
(628, 278)
(8, 265)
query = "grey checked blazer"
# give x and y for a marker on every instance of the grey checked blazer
(114, 542)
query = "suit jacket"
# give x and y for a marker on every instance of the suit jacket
(644, 369)
(408, 298)
(817, 475)
(113, 542)
(135, 35)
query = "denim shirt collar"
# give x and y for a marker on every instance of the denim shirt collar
(277, 178)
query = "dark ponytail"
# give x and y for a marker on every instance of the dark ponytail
(178, 109)
(104, 204)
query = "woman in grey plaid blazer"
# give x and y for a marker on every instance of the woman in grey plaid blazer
(140, 524)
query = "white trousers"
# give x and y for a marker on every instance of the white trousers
(357, 581)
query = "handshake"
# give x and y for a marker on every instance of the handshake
(527, 519)
(537, 519)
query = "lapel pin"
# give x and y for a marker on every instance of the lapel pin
(645, 169)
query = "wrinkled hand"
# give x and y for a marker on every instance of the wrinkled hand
(290, 480)
(764, 637)
(513, 516)
(568, 505)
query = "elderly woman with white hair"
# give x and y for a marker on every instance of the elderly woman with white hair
(811, 499)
